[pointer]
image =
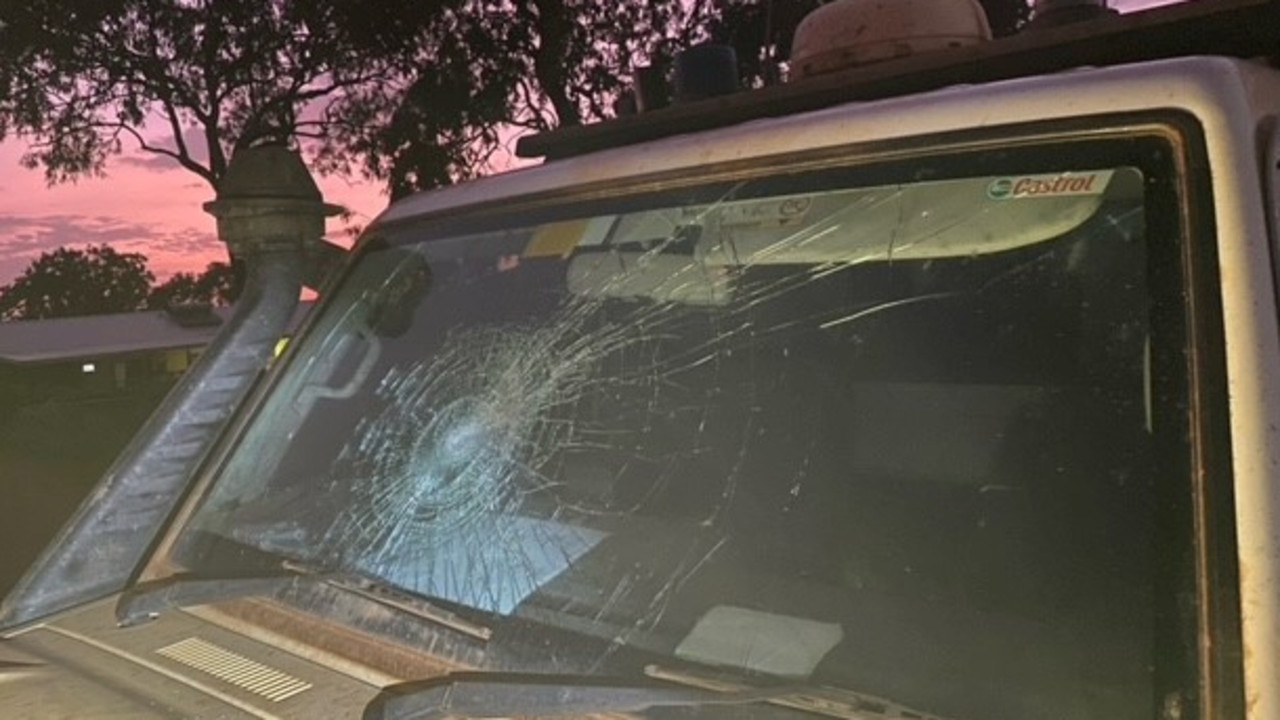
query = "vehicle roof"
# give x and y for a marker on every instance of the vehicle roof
(1230, 28)
(1202, 86)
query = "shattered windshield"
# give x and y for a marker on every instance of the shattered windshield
(892, 437)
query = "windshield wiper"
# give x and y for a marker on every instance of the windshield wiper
(143, 601)
(501, 694)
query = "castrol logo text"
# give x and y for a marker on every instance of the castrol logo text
(1029, 186)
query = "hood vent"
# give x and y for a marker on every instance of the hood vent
(236, 669)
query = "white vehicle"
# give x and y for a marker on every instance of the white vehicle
(945, 386)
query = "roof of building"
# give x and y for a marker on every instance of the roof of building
(60, 339)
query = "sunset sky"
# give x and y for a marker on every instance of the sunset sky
(147, 204)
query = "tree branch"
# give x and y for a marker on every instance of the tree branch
(175, 124)
(184, 160)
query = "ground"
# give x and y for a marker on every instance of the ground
(51, 454)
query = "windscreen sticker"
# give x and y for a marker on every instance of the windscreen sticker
(597, 230)
(777, 212)
(560, 238)
(1056, 185)
(759, 641)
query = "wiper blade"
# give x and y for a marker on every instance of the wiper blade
(411, 604)
(501, 695)
(145, 600)
(827, 701)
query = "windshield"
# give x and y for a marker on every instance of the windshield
(892, 437)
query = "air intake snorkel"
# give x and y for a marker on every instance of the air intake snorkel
(271, 216)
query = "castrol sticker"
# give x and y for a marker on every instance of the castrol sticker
(1041, 186)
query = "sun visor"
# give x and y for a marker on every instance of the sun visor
(681, 254)
(914, 222)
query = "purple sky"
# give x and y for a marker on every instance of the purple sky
(147, 204)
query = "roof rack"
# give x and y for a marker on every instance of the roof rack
(1235, 28)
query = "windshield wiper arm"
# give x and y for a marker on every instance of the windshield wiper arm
(834, 702)
(143, 601)
(410, 603)
(501, 694)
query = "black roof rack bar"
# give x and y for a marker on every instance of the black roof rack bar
(1235, 28)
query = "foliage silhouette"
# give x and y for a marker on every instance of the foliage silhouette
(489, 71)
(415, 95)
(217, 285)
(65, 282)
(99, 280)
(81, 80)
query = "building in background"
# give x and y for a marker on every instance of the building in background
(107, 354)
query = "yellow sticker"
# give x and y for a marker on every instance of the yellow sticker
(554, 239)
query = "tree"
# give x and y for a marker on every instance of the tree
(759, 31)
(217, 285)
(66, 282)
(414, 94)
(493, 69)
(83, 79)
(417, 94)
(221, 283)
(182, 288)
(490, 69)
